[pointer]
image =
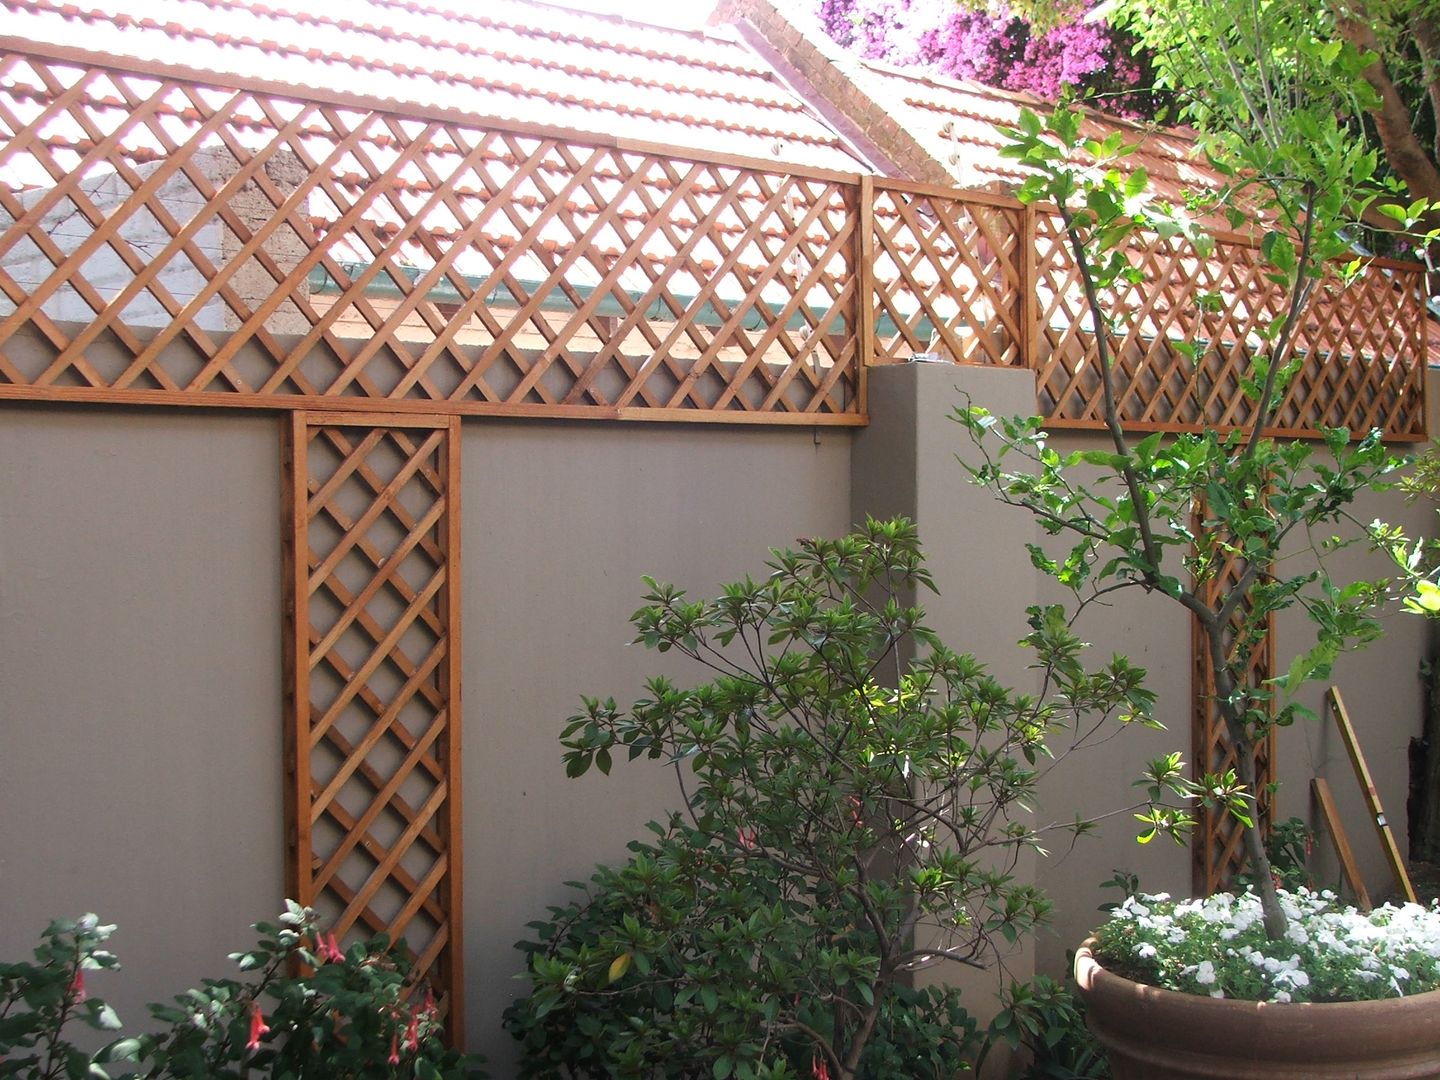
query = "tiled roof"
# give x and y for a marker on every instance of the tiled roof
(950, 123)
(532, 64)
(957, 123)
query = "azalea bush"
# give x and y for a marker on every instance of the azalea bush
(301, 1008)
(1218, 946)
(855, 796)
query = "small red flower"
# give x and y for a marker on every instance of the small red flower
(76, 992)
(412, 1031)
(258, 1027)
(431, 1010)
(747, 838)
(394, 1058)
(332, 951)
(819, 1068)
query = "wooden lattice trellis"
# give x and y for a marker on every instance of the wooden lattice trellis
(373, 683)
(949, 274)
(169, 241)
(172, 241)
(977, 279)
(1363, 343)
(1216, 846)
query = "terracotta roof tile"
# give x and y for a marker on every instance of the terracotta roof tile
(531, 63)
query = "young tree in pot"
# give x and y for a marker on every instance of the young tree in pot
(1129, 510)
(856, 795)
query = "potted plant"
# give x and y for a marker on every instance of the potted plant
(854, 797)
(1129, 513)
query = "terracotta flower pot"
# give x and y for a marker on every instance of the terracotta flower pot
(1154, 1034)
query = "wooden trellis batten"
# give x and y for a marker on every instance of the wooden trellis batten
(169, 239)
(373, 683)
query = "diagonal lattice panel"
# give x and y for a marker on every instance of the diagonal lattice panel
(1216, 847)
(947, 276)
(164, 237)
(372, 682)
(1361, 340)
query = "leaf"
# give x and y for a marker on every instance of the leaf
(618, 967)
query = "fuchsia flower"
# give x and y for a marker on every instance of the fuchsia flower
(258, 1027)
(819, 1068)
(747, 838)
(412, 1030)
(76, 992)
(330, 949)
(394, 1058)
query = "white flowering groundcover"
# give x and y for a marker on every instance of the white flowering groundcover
(1217, 946)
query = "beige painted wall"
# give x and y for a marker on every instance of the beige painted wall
(139, 686)
(140, 761)
(560, 522)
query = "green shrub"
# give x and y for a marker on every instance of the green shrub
(303, 1009)
(855, 794)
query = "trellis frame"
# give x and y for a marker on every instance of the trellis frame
(440, 961)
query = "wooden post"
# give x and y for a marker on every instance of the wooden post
(865, 287)
(1372, 797)
(1029, 303)
(1320, 788)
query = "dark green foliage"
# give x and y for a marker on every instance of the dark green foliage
(349, 1016)
(856, 794)
(39, 1000)
(1047, 1019)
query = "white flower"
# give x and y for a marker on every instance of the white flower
(1205, 973)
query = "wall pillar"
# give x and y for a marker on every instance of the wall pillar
(904, 463)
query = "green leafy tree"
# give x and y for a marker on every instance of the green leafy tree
(856, 795)
(1125, 513)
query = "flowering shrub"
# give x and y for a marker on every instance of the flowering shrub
(305, 1009)
(39, 1000)
(998, 49)
(1218, 946)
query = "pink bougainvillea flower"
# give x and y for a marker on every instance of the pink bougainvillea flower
(394, 1058)
(258, 1027)
(76, 992)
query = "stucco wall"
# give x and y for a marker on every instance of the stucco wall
(560, 522)
(140, 768)
(140, 750)
(140, 686)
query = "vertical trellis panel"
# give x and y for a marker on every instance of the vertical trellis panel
(1217, 844)
(373, 682)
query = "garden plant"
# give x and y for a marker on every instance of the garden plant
(1233, 527)
(855, 798)
(303, 1009)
